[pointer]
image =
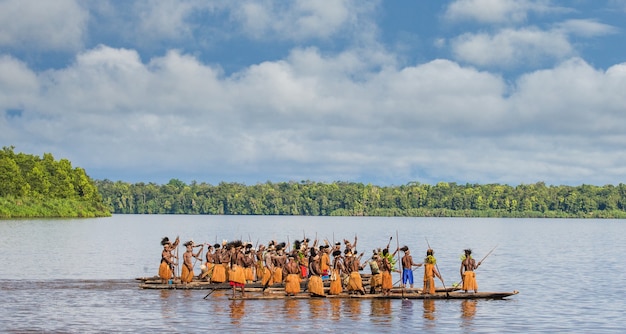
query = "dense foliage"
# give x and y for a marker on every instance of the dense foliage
(31, 187)
(357, 199)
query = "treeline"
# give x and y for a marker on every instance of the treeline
(357, 199)
(32, 187)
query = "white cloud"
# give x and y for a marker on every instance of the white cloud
(300, 19)
(42, 25)
(510, 47)
(309, 117)
(586, 28)
(497, 11)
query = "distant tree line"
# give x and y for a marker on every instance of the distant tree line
(31, 186)
(356, 199)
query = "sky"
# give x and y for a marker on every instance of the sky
(380, 92)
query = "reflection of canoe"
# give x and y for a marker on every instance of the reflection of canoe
(438, 295)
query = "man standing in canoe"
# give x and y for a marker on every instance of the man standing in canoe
(468, 265)
(207, 271)
(386, 268)
(292, 282)
(407, 267)
(236, 274)
(166, 269)
(219, 271)
(430, 272)
(353, 265)
(187, 272)
(336, 284)
(315, 285)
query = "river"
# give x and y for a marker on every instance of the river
(77, 276)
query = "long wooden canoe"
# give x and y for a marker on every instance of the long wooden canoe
(393, 295)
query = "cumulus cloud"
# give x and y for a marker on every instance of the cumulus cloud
(42, 25)
(350, 114)
(497, 11)
(511, 47)
(300, 19)
(586, 28)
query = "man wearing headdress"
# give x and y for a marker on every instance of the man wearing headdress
(468, 265)
(336, 285)
(219, 271)
(430, 272)
(236, 274)
(407, 267)
(355, 282)
(315, 285)
(386, 267)
(268, 269)
(207, 271)
(292, 282)
(376, 279)
(280, 260)
(303, 259)
(325, 261)
(248, 262)
(187, 272)
(166, 268)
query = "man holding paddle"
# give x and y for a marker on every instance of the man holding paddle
(468, 265)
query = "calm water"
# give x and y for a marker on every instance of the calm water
(77, 276)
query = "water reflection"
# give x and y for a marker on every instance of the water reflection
(353, 309)
(292, 309)
(429, 309)
(168, 311)
(318, 309)
(237, 311)
(468, 310)
(381, 310)
(335, 308)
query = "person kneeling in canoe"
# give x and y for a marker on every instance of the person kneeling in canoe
(468, 265)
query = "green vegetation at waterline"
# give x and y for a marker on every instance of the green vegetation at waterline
(356, 199)
(34, 187)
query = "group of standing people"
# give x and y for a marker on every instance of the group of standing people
(238, 263)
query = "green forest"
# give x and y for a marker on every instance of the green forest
(35, 187)
(357, 199)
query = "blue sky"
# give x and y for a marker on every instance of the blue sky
(381, 92)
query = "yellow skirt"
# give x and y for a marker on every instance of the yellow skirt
(469, 281)
(335, 286)
(237, 274)
(187, 275)
(249, 274)
(429, 285)
(165, 272)
(278, 275)
(355, 283)
(376, 280)
(386, 280)
(292, 285)
(316, 286)
(219, 274)
(268, 278)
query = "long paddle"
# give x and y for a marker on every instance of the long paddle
(483, 259)
(399, 261)
(440, 277)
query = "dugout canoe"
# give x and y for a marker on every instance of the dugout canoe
(437, 295)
